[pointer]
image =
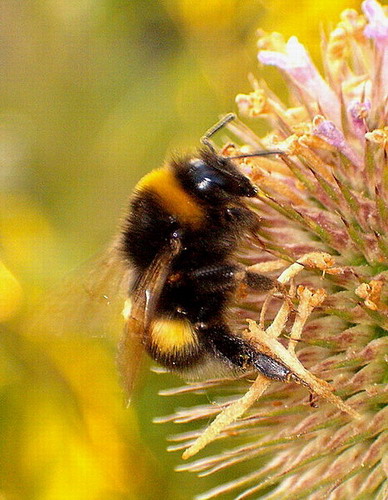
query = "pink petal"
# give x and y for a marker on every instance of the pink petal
(377, 28)
(297, 64)
(327, 131)
(358, 112)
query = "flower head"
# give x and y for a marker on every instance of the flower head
(324, 209)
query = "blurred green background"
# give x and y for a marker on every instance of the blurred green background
(93, 94)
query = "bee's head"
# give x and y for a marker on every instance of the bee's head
(213, 178)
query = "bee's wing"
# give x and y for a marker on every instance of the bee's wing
(144, 301)
(88, 302)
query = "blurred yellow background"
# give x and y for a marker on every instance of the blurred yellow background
(93, 94)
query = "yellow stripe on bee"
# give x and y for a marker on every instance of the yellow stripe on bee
(172, 196)
(170, 336)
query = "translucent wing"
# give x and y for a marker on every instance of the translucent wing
(144, 301)
(89, 301)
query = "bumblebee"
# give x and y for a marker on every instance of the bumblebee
(185, 223)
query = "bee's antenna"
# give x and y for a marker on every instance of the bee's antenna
(215, 128)
(205, 139)
(253, 155)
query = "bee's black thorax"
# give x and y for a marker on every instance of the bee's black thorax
(212, 190)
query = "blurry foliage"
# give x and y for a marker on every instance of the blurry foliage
(93, 94)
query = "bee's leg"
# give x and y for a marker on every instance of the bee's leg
(217, 278)
(226, 276)
(241, 353)
(260, 282)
